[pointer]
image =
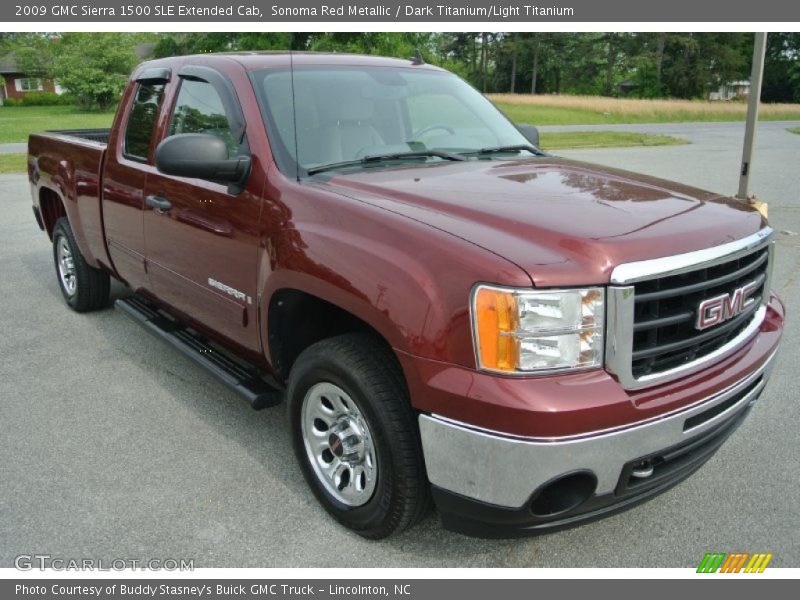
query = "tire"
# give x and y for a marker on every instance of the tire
(84, 288)
(386, 490)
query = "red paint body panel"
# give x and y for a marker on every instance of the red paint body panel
(567, 405)
(71, 169)
(526, 211)
(400, 248)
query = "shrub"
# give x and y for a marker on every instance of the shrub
(41, 99)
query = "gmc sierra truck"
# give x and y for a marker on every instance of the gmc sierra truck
(448, 312)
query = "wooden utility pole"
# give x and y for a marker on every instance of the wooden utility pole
(759, 51)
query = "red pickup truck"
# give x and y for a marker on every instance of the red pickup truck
(448, 312)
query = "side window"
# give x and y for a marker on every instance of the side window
(199, 109)
(142, 120)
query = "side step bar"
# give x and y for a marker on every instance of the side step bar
(242, 380)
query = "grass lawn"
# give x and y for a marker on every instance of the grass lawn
(17, 122)
(594, 110)
(605, 139)
(795, 130)
(13, 163)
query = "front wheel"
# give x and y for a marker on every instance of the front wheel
(355, 435)
(83, 287)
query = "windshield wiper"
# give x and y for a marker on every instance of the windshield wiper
(373, 158)
(514, 148)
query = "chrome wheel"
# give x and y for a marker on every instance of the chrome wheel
(338, 444)
(66, 266)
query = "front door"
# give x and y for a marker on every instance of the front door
(201, 237)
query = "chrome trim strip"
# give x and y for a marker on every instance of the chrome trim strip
(681, 263)
(505, 471)
(620, 305)
(706, 403)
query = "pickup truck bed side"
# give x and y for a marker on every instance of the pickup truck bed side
(66, 172)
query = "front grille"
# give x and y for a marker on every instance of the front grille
(665, 312)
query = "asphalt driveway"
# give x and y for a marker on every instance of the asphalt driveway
(113, 446)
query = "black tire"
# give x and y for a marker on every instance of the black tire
(367, 370)
(90, 286)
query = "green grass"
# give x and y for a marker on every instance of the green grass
(595, 110)
(553, 115)
(556, 115)
(794, 130)
(17, 122)
(605, 139)
(13, 163)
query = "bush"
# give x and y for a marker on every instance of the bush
(44, 99)
(41, 99)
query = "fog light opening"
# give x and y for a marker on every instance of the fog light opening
(563, 494)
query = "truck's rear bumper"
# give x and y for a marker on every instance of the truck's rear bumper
(495, 485)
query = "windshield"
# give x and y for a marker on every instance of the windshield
(345, 114)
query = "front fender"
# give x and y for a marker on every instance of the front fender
(408, 281)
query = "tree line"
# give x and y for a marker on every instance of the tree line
(93, 66)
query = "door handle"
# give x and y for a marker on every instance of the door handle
(158, 202)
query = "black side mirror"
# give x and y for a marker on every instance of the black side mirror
(530, 132)
(200, 155)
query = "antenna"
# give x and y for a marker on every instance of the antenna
(417, 58)
(294, 118)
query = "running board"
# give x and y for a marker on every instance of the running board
(242, 380)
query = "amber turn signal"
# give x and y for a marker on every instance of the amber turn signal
(496, 320)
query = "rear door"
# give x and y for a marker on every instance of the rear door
(129, 159)
(202, 251)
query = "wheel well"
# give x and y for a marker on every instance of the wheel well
(52, 209)
(297, 320)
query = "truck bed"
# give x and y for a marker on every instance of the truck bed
(65, 167)
(93, 135)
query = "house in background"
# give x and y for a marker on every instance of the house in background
(733, 90)
(18, 83)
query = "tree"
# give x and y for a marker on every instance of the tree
(514, 58)
(33, 53)
(782, 68)
(535, 62)
(94, 67)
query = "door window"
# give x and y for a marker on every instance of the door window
(199, 109)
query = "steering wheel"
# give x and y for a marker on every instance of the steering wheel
(420, 132)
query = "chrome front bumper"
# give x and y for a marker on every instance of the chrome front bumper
(506, 471)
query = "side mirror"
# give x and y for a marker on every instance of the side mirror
(530, 132)
(200, 155)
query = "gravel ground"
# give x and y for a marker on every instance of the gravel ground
(114, 446)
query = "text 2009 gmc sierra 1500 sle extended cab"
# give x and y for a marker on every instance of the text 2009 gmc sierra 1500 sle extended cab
(447, 311)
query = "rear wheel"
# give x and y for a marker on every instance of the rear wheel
(83, 287)
(355, 435)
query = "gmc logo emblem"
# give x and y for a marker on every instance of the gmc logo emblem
(725, 306)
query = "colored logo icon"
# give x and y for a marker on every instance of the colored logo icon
(736, 562)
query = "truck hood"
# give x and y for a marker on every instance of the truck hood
(564, 222)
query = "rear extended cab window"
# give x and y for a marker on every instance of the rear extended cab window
(142, 120)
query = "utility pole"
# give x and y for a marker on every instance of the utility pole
(752, 114)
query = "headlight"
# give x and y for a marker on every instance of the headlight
(525, 331)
